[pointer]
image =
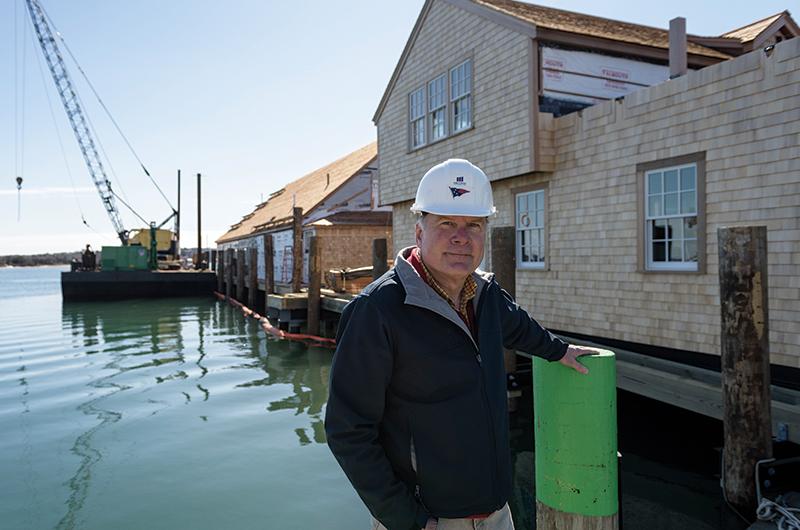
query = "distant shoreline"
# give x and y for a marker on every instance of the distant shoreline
(49, 265)
(38, 260)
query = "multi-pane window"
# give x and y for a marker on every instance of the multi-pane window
(530, 229)
(461, 95)
(671, 217)
(442, 107)
(416, 110)
(437, 107)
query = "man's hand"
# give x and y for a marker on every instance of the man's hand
(432, 524)
(570, 358)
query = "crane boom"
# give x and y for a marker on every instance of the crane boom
(76, 116)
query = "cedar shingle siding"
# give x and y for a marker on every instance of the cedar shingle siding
(743, 114)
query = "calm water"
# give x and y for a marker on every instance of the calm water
(179, 414)
(158, 414)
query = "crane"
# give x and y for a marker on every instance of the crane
(75, 113)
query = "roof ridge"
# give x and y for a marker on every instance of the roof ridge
(310, 190)
(490, 3)
(518, 10)
(776, 15)
(310, 174)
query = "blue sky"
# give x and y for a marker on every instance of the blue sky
(252, 94)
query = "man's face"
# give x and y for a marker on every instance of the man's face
(451, 246)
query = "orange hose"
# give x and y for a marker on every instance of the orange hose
(269, 328)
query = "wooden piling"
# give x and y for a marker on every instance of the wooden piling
(220, 271)
(314, 284)
(252, 276)
(240, 280)
(269, 272)
(229, 263)
(504, 268)
(747, 424)
(379, 255)
(297, 249)
(575, 425)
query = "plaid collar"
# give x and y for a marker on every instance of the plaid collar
(468, 291)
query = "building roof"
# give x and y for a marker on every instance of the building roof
(751, 31)
(306, 193)
(526, 18)
(568, 21)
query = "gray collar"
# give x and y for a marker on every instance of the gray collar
(420, 294)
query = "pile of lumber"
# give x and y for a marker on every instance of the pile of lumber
(348, 280)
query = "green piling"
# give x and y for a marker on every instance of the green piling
(575, 419)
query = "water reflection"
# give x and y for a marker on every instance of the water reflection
(161, 332)
(308, 373)
(122, 333)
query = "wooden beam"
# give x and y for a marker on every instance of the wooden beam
(220, 270)
(379, 256)
(252, 276)
(297, 249)
(240, 281)
(745, 360)
(314, 281)
(229, 271)
(269, 271)
(504, 268)
(689, 387)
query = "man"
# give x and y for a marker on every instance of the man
(417, 414)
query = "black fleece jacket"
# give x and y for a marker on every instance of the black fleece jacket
(417, 413)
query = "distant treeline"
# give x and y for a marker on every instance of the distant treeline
(57, 258)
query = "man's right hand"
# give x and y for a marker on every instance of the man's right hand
(432, 523)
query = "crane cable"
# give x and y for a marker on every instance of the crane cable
(60, 141)
(102, 104)
(19, 108)
(128, 206)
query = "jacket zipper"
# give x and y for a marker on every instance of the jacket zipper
(486, 400)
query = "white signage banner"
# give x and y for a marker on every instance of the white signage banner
(591, 75)
(282, 243)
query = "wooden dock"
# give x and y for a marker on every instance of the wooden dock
(291, 309)
(692, 388)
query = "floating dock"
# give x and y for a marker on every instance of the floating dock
(122, 285)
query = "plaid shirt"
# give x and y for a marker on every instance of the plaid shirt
(465, 309)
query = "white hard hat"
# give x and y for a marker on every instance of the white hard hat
(455, 187)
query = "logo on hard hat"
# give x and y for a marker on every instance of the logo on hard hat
(458, 192)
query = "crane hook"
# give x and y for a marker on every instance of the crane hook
(19, 183)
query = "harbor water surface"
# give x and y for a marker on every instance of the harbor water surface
(180, 414)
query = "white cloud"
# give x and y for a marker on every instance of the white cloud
(69, 242)
(49, 191)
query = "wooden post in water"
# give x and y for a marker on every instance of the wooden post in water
(252, 276)
(504, 268)
(269, 272)
(229, 272)
(314, 281)
(199, 231)
(379, 252)
(575, 418)
(220, 270)
(297, 249)
(240, 281)
(747, 423)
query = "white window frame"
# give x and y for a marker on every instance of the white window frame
(437, 94)
(416, 118)
(649, 216)
(530, 220)
(461, 91)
